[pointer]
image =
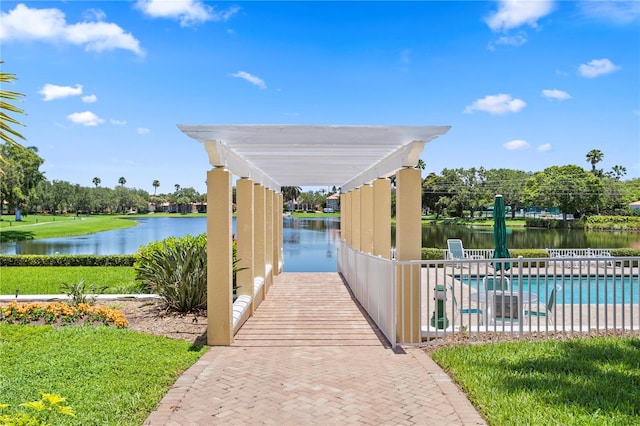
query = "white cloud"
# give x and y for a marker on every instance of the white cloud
(545, 147)
(94, 15)
(143, 131)
(86, 118)
(52, 91)
(516, 145)
(496, 104)
(117, 122)
(556, 94)
(50, 26)
(619, 12)
(189, 12)
(514, 40)
(516, 13)
(597, 67)
(89, 99)
(250, 78)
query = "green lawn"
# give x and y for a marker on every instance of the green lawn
(49, 226)
(570, 382)
(109, 376)
(49, 279)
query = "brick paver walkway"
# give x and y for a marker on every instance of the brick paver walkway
(310, 357)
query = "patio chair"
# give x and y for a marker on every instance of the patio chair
(491, 283)
(458, 310)
(549, 307)
(456, 251)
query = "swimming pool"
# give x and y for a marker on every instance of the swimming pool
(575, 290)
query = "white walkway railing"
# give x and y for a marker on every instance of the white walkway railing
(574, 294)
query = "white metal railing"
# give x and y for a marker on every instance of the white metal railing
(578, 293)
(372, 281)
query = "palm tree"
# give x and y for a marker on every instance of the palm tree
(96, 181)
(617, 172)
(122, 181)
(594, 157)
(156, 184)
(177, 186)
(421, 164)
(290, 193)
(7, 134)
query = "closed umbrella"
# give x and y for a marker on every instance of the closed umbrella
(500, 235)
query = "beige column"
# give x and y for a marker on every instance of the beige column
(348, 212)
(270, 237)
(279, 252)
(244, 235)
(355, 219)
(366, 219)
(382, 218)
(219, 272)
(408, 247)
(259, 219)
(343, 217)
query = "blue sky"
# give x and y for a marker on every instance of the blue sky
(524, 85)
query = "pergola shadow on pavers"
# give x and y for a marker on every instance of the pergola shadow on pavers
(357, 159)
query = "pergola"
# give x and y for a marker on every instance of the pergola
(357, 159)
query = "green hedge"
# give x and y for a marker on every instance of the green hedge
(631, 223)
(66, 260)
(537, 222)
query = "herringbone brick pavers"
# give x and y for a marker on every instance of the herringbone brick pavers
(309, 356)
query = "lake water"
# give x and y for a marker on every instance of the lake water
(310, 245)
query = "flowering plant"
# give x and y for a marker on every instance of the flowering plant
(60, 313)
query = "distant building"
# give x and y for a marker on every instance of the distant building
(333, 202)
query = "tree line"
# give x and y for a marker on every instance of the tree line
(453, 192)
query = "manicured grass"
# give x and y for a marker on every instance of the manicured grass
(49, 279)
(569, 382)
(48, 226)
(109, 376)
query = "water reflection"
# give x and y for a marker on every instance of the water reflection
(310, 245)
(482, 237)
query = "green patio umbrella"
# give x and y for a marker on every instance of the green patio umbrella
(500, 235)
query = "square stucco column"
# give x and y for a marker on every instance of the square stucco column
(408, 247)
(219, 253)
(270, 237)
(244, 235)
(277, 243)
(259, 224)
(355, 219)
(382, 218)
(366, 219)
(348, 212)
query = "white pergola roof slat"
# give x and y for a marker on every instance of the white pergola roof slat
(304, 155)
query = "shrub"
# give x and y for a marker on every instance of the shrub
(66, 260)
(432, 254)
(77, 292)
(176, 269)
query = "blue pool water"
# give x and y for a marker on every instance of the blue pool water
(576, 290)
